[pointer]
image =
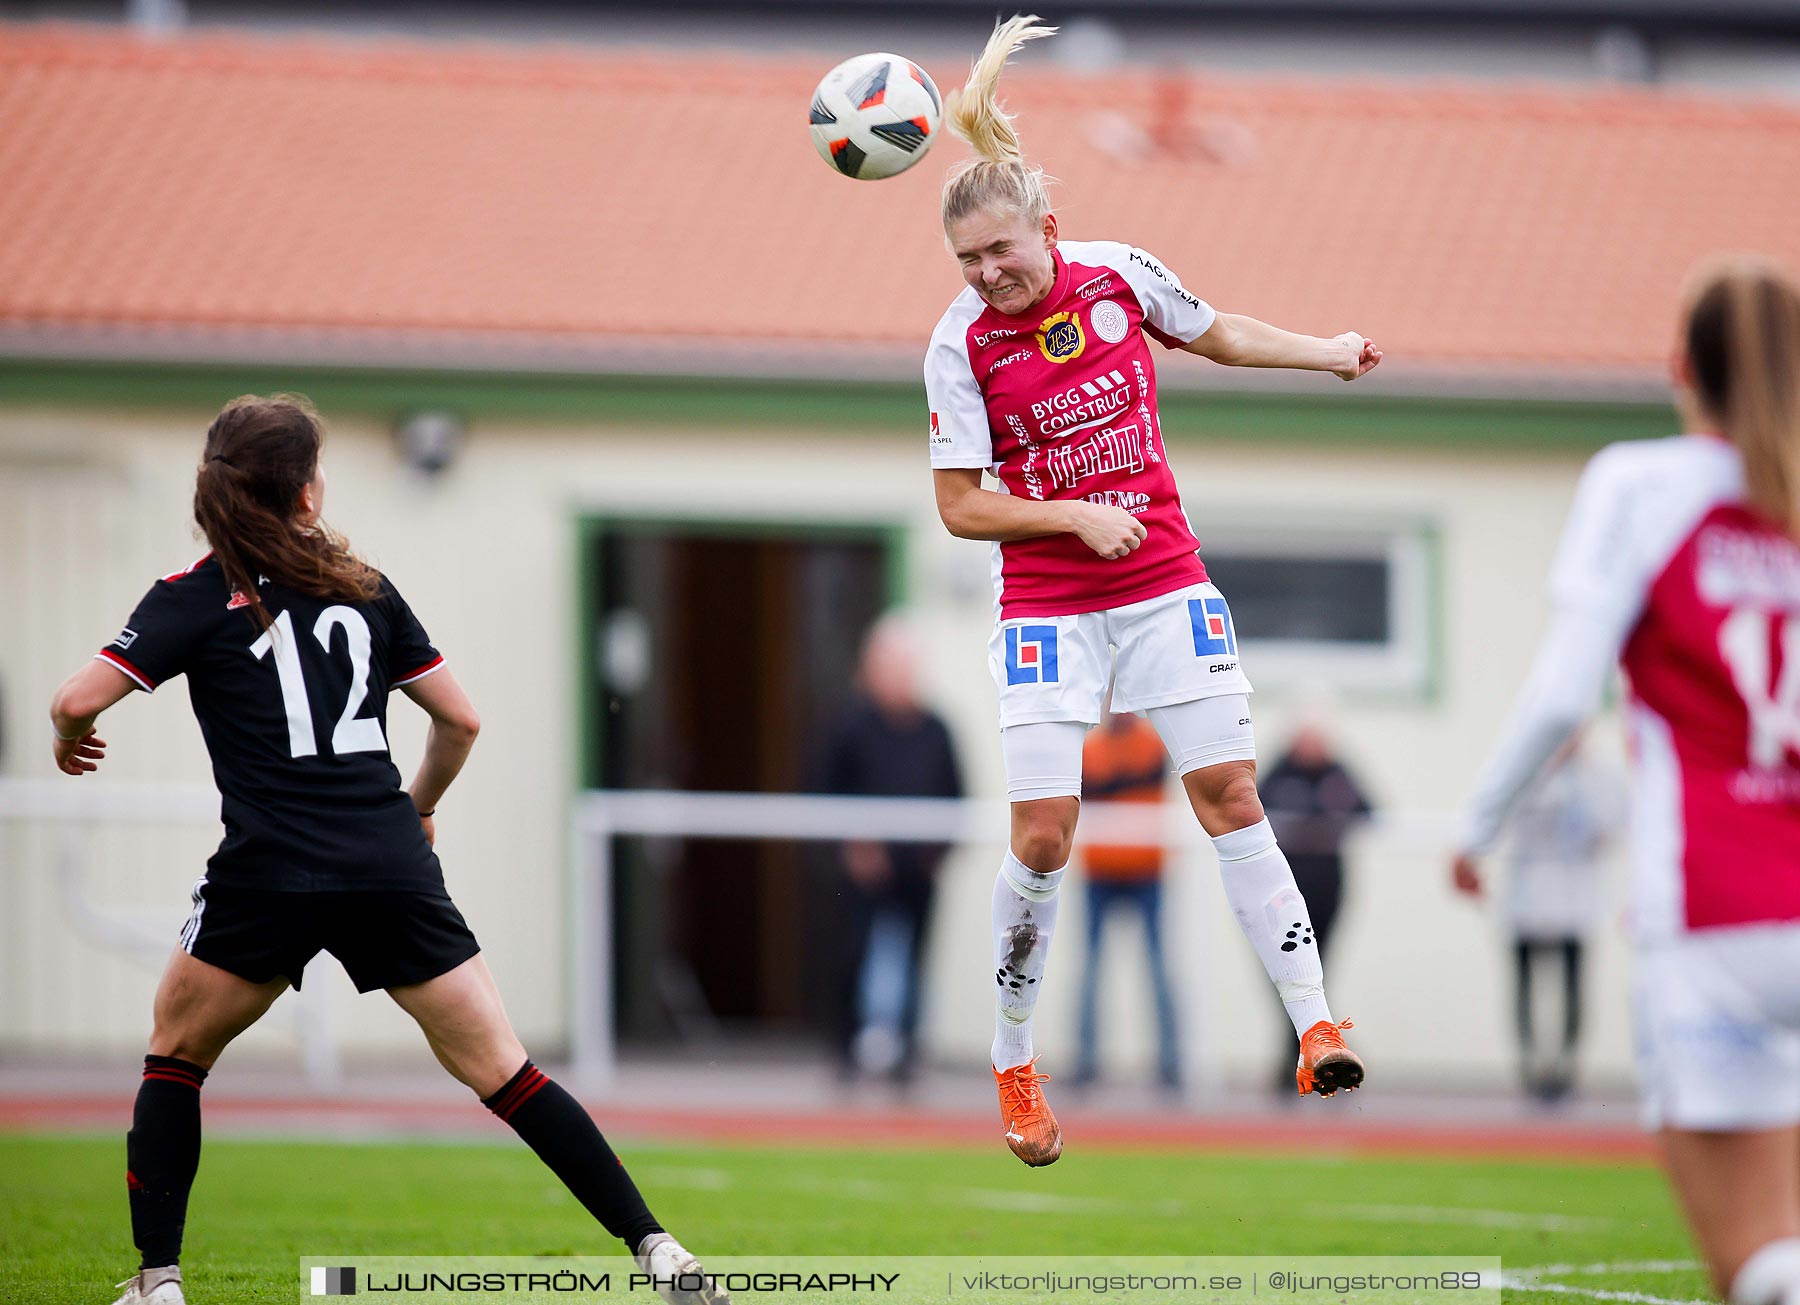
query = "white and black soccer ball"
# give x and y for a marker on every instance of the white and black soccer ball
(875, 115)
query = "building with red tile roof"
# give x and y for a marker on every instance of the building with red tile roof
(223, 196)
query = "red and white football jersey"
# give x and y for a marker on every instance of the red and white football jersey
(1659, 528)
(1060, 403)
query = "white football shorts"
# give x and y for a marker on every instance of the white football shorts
(1176, 648)
(1717, 1015)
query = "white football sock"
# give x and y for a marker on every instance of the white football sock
(1024, 921)
(1771, 1276)
(1268, 905)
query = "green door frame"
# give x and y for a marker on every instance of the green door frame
(591, 524)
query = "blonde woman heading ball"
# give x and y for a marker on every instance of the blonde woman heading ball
(1041, 374)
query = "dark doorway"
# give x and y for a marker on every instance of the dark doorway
(720, 656)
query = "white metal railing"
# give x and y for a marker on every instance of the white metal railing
(601, 814)
(74, 807)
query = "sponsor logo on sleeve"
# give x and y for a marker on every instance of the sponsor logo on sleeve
(1157, 271)
(1109, 321)
(1060, 337)
(1031, 654)
(127, 637)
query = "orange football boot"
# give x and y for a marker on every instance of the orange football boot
(1031, 1129)
(1326, 1064)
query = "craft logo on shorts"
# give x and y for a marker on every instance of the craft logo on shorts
(1213, 635)
(127, 637)
(1060, 337)
(1109, 321)
(333, 1282)
(1031, 654)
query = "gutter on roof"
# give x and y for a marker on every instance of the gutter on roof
(535, 355)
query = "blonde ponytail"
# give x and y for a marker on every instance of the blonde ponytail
(998, 177)
(1743, 341)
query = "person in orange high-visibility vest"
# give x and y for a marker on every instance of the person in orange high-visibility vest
(1123, 760)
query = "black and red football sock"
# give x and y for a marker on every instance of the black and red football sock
(565, 1137)
(162, 1154)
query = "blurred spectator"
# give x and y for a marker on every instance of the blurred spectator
(1553, 896)
(1123, 760)
(1313, 801)
(887, 744)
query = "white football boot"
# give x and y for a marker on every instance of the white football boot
(679, 1278)
(153, 1287)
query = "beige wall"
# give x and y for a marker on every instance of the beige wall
(95, 506)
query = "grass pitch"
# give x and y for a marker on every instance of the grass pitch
(1600, 1230)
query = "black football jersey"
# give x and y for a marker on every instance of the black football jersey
(295, 719)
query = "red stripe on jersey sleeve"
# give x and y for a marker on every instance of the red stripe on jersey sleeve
(144, 682)
(189, 570)
(421, 673)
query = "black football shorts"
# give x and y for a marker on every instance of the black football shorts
(383, 938)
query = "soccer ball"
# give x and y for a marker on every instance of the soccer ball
(875, 115)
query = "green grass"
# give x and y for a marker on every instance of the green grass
(259, 1206)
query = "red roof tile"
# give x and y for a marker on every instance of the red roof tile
(223, 193)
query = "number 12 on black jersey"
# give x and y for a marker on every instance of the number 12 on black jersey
(351, 734)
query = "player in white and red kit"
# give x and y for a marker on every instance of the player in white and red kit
(1680, 563)
(1041, 374)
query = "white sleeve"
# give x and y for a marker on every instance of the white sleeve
(1173, 313)
(1574, 661)
(959, 420)
(1601, 574)
(1609, 554)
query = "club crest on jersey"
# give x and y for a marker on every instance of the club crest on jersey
(1109, 321)
(1213, 635)
(1031, 654)
(237, 595)
(1060, 337)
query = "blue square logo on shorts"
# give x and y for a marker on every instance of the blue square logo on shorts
(1213, 635)
(1031, 654)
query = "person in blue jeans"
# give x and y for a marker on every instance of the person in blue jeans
(1123, 761)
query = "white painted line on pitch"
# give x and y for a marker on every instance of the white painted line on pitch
(1636, 1266)
(1473, 1218)
(702, 1180)
(986, 1198)
(1515, 1283)
(863, 1189)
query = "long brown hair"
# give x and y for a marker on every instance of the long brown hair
(260, 453)
(999, 176)
(1743, 344)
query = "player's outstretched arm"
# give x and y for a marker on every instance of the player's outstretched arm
(1238, 341)
(971, 512)
(75, 708)
(454, 726)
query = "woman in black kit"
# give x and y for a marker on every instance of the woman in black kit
(290, 645)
